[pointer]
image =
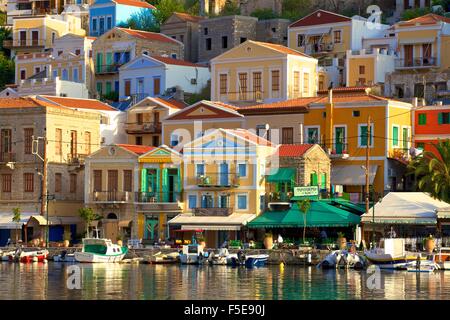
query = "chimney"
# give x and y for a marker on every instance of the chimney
(414, 102)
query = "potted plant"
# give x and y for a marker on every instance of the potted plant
(341, 241)
(67, 237)
(201, 241)
(268, 240)
(429, 244)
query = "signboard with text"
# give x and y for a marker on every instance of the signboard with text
(306, 191)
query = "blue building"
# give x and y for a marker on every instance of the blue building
(107, 14)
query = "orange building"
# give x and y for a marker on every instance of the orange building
(431, 123)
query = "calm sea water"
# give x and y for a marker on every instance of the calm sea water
(160, 282)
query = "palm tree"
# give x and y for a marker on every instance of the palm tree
(432, 171)
(16, 218)
(304, 207)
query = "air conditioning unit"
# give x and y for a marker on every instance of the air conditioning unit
(193, 81)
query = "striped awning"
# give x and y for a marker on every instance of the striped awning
(234, 221)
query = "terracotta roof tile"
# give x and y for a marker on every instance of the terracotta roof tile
(429, 18)
(178, 62)
(25, 102)
(293, 150)
(319, 17)
(135, 3)
(172, 103)
(225, 105)
(188, 17)
(80, 103)
(137, 149)
(247, 135)
(297, 105)
(148, 35)
(280, 48)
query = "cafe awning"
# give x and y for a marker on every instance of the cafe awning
(443, 213)
(321, 214)
(352, 175)
(124, 223)
(53, 220)
(7, 223)
(281, 175)
(234, 221)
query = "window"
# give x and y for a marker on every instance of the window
(156, 86)
(77, 52)
(205, 31)
(275, 81)
(444, 118)
(362, 69)
(200, 169)
(55, 73)
(305, 84)
(321, 82)
(139, 141)
(37, 70)
(139, 118)
(224, 42)
(405, 138)
(58, 142)
(173, 140)
(296, 90)
(208, 44)
(242, 86)
(6, 182)
(300, 40)
(127, 180)
(223, 79)
(127, 86)
(418, 90)
(242, 169)
(99, 88)
(28, 134)
(58, 182)
(223, 201)
(420, 145)
(97, 180)
(395, 136)
(108, 23)
(75, 75)
(23, 74)
(28, 182)
(257, 85)
(242, 202)
(422, 119)
(6, 141)
(262, 202)
(337, 36)
(108, 87)
(87, 142)
(192, 199)
(356, 113)
(94, 24)
(362, 132)
(73, 183)
(313, 179)
(312, 135)
(361, 81)
(73, 143)
(287, 135)
(182, 38)
(60, 52)
(53, 37)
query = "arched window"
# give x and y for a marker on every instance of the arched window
(112, 216)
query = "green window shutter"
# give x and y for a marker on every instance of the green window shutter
(314, 180)
(405, 138)
(395, 136)
(422, 119)
(99, 61)
(158, 185)
(323, 178)
(165, 184)
(99, 88)
(363, 136)
(144, 180)
(109, 58)
(440, 118)
(108, 87)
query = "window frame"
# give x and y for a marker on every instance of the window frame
(246, 201)
(371, 142)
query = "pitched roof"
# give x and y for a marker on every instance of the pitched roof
(148, 35)
(136, 149)
(172, 103)
(188, 17)
(218, 110)
(429, 18)
(280, 48)
(319, 17)
(292, 105)
(26, 102)
(293, 150)
(178, 62)
(78, 103)
(135, 3)
(250, 136)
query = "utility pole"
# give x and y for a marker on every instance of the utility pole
(44, 191)
(368, 134)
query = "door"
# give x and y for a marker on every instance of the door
(73, 144)
(151, 228)
(112, 184)
(224, 174)
(426, 54)
(102, 25)
(99, 62)
(109, 61)
(35, 38)
(408, 55)
(23, 38)
(287, 135)
(339, 133)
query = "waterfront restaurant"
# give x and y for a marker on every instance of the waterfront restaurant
(409, 215)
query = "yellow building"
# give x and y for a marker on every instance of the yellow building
(224, 183)
(262, 72)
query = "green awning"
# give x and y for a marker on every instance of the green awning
(346, 204)
(321, 214)
(281, 175)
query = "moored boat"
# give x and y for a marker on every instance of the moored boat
(250, 261)
(162, 258)
(392, 255)
(100, 251)
(192, 254)
(31, 256)
(64, 257)
(343, 259)
(219, 259)
(442, 258)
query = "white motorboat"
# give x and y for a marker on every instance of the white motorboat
(391, 255)
(442, 258)
(65, 257)
(343, 259)
(162, 258)
(192, 254)
(219, 259)
(100, 250)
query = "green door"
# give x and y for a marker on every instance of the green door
(339, 133)
(109, 60)
(99, 62)
(150, 228)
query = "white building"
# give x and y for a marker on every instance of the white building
(151, 76)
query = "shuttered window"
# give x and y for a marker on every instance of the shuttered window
(275, 80)
(422, 119)
(6, 182)
(223, 84)
(73, 183)
(58, 182)
(28, 182)
(97, 180)
(127, 180)
(28, 135)
(395, 136)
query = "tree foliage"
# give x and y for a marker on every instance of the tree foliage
(414, 13)
(142, 20)
(432, 171)
(165, 8)
(6, 71)
(88, 215)
(295, 9)
(264, 14)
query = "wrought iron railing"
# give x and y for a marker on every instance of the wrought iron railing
(7, 157)
(215, 211)
(416, 62)
(155, 197)
(145, 127)
(218, 180)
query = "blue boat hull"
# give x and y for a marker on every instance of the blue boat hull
(251, 262)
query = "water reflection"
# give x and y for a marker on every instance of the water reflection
(162, 282)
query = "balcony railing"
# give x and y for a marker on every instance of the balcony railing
(107, 69)
(212, 211)
(145, 127)
(157, 197)
(338, 150)
(76, 159)
(112, 196)
(319, 47)
(420, 62)
(137, 97)
(19, 43)
(220, 180)
(7, 157)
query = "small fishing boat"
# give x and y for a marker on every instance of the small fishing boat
(163, 258)
(28, 256)
(8, 255)
(100, 250)
(65, 257)
(343, 259)
(392, 255)
(193, 254)
(442, 258)
(221, 258)
(250, 261)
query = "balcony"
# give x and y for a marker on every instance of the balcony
(338, 151)
(221, 212)
(76, 159)
(158, 201)
(316, 48)
(107, 69)
(414, 63)
(24, 44)
(145, 127)
(7, 157)
(282, 197)
(218, 180)
(112, 196)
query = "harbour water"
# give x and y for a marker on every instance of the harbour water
(163, 282)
